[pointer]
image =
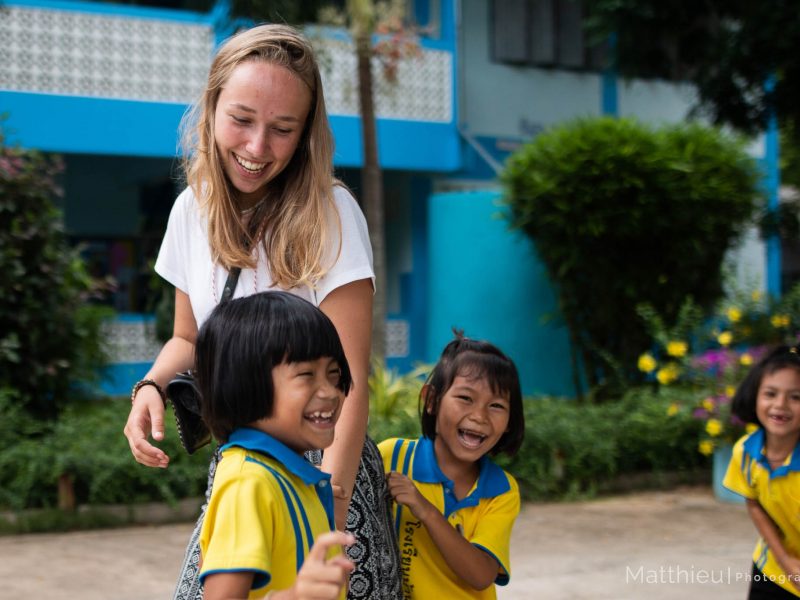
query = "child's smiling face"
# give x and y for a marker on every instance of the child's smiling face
(306, 404)
(470, 420)
(778, 402)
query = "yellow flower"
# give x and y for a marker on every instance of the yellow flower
(708, 404)
(677, 348)
(713, 427)
(746, 360)
(706, 447)
(647, 363)
(730, 391)
(734, 314)
(756, 295)
(725, 338)
(668, 374)
(672, 409)
(779, 321)
(750, 428)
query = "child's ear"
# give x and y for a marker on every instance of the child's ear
(425, 394)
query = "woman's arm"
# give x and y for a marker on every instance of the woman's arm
(147, 410)
(471, 564)
(772, 536)
(350, 309)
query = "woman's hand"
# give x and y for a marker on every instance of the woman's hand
(406, 493)
(146, 417)
(147, 412)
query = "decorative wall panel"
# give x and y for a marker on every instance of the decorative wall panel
(74, 53)
(100, 55)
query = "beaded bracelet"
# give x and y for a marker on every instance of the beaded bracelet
(143, 382)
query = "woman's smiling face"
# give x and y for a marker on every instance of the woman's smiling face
(258, 122)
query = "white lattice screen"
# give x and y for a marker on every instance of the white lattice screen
(131, 341)
(85, 54)
(397, 338)
(423, 91)
(99, 55)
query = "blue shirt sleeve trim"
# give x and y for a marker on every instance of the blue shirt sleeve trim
(260, 578)
(502, 577)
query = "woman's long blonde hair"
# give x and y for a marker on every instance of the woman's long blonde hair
(292, 222)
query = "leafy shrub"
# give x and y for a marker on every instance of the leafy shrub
(86, 443)
(394, 401)
(622, 214)
(576, 449)
(49, 336)
(712, 356)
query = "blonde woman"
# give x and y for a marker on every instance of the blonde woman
(261, 196)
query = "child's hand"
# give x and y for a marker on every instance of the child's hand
(791, 565)
(321, 578)
(406, 493)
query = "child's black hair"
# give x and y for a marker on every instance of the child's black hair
(241, 342)
(744, 400)
(479, 360)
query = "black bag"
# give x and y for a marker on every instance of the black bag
(185, 397)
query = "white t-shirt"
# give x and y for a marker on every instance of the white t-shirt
(185, 257)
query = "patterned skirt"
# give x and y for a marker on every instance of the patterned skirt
(375, 553)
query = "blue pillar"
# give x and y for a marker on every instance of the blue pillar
(610, 91)
(772, 183)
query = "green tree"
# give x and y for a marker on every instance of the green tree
(49, 334)
(727, 48)
(622, 214)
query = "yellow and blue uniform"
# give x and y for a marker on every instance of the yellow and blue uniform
(778, 493)
(267, 506)
(484, 517)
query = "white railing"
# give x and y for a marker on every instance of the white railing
(124, 56)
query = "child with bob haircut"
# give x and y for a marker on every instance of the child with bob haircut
(454, 507)
(272, 376)
(765, 469)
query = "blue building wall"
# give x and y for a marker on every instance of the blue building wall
(488, 281)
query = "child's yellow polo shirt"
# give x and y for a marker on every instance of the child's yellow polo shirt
(484, 517)
(267, 506)
(778, 493)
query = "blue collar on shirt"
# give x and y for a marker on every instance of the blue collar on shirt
(492, 480)
(258, 441)
(754, 447)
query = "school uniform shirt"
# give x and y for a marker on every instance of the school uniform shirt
(778, 493)
(484, 517)
(267, 507)
(185, 261)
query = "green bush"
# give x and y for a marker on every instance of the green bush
(575, 449)
(86, 443)
(622, 214)
(570, 450)
(49, 335)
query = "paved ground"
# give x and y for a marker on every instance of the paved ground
(682, 544)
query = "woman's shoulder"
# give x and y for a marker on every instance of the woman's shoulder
(186, 200)
(346, 205)
(186, 209)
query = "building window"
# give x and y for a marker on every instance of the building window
(542, 33)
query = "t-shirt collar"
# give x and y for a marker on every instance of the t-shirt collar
(259, 441)
(492, 481)
(754, 446)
